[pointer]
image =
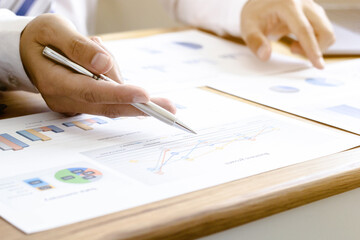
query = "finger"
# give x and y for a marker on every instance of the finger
(165, 103)
(256, 41)
(87, 90)
(301, 27)
(110, 110)
(118, 110)
(71, 107)
(296, 48)
(321, 24)
(60, 34)
(253, 33)
(114, 72)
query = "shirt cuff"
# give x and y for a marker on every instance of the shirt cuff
(12, 72)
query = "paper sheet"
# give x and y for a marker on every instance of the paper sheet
(345, 20)
(188, 58)
(330, 96)
(347, 41)
(67, 170)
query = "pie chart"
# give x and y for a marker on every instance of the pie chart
(78, 175)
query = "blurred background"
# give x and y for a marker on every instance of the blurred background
(125, 15)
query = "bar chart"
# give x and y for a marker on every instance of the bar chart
(38, 184)
(36, 134)
(8, 142)
(85, 124)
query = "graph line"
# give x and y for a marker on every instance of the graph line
(171, 155)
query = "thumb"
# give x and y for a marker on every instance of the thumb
(259, 45)
(87, 53)
(80, 49)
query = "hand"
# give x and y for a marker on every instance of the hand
(68, 92)
(303, 18)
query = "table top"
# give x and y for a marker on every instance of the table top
(206, 211)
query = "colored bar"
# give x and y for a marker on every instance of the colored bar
(55, 129)
(28, 135)
(14, 140)
(10, 144)
(99, 121)
(38, 184)
(4, 147)
(82, 126)
(35, 182)
(85, 122)
(346, 110)
(40, 135)
(69, 124)
(91, 120)
(45, 129)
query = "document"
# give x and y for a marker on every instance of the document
(347, 40)
(345, 19)
(57, 171)
(189, 58)
(330, 96)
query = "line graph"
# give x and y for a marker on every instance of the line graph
(199, 148)
(155, 160)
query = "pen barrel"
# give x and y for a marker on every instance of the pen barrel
(48, 52)
(157, 112)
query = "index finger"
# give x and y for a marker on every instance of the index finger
(300, 26)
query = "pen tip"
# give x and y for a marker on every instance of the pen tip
(184, 127)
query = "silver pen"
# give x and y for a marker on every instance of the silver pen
(149, 108)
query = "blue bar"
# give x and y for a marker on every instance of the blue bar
(35, 182)
(346, 110)
(38, 184)
(28, 135)
(14, 140)
(68, 124)
(55, 129)
(99, 121)
(190, 45)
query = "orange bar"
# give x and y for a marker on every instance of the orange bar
(10, 144)
(40, 135)
(82, 125)
(45, 129)
(90, 120)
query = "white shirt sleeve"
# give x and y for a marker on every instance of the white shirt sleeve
(12, 73)
(219, 16)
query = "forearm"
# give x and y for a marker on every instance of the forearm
(219, 16)
(12, 73)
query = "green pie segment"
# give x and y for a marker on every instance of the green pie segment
(78, 175)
